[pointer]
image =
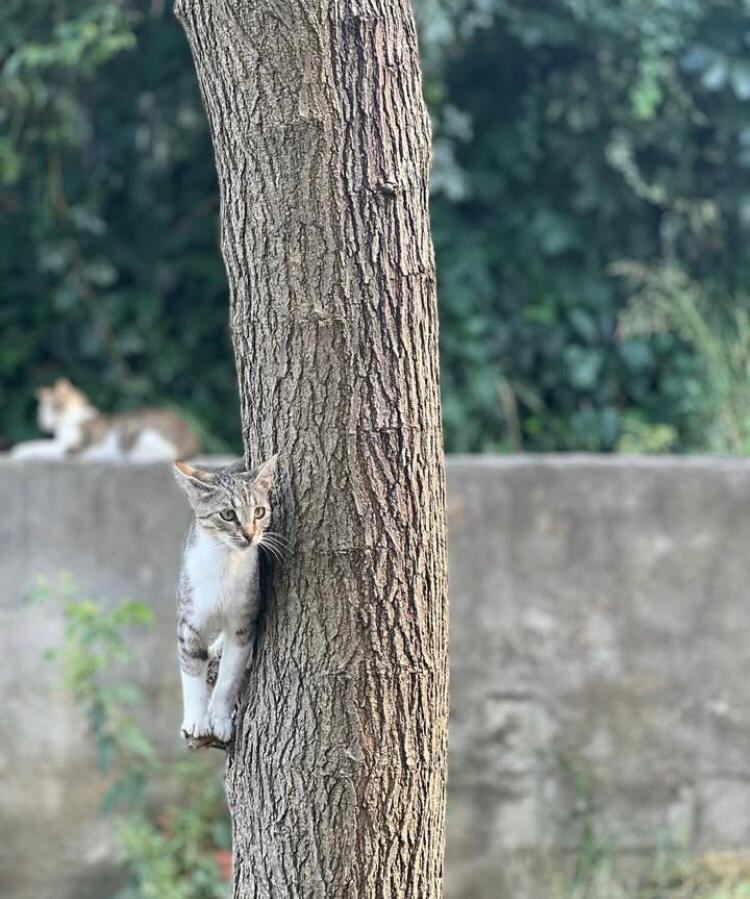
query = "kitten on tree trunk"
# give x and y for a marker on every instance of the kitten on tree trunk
(78, 428)
(218, 598)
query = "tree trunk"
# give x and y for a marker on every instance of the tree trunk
(336, 782)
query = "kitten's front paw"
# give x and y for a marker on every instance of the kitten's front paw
(221, 726)
(196, 726)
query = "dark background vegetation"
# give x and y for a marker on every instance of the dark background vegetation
(591, 208)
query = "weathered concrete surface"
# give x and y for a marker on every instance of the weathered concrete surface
(117, 530)
(600, 658)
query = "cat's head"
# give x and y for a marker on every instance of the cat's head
(231, 505)
(59, 402)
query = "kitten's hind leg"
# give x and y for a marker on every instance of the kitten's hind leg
(236, 652)
(195, 689)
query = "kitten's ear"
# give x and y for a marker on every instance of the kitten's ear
(193, 480)
(262, 476)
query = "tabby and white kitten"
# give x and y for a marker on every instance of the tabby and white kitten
(218, 598)
(78, 428)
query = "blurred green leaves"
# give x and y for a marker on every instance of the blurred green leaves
(599, 133)
(94, 641)
(109, 261)
(569, 136)
(171, 814)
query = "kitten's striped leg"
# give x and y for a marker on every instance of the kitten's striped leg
(195, 690)
(236, 652)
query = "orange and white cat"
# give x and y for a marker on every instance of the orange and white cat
(79, 429)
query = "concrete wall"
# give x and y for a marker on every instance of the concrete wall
(600, 651)
(118, 531)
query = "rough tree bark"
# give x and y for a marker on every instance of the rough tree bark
(336, 782)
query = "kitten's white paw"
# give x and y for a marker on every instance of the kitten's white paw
(196, 726)
(221, 726)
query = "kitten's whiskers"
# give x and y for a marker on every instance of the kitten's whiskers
(278, 539)
(275, 544)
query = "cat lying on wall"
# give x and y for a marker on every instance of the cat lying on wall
(79, 429)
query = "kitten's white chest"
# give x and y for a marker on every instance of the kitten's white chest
(218, 575)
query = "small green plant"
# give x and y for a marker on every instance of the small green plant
(718, 332)
(94, 641)
(172, 820)
(715, 875)
(592, 876)
(638, 436)
(601, 870)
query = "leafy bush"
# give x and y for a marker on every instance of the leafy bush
(172, 816)
(108, 258)
(717, 329)
(568, 136)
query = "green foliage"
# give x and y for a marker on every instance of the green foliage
(94, 640)
(172, 858)
(569, 136)
(108, 258)
(639, 437)
(671, 876)
(171, 815)
(601, 870)
(170, 865)
(717, 329)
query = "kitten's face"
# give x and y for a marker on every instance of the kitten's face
(57, 402)
(232, 506)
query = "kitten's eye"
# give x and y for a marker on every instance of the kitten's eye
(259, 511)
(228, 515)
